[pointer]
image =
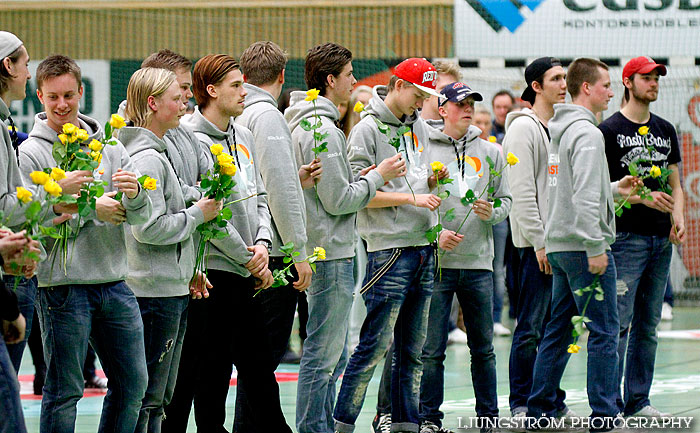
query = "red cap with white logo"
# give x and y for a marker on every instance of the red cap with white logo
(419, 72)
(642, 65)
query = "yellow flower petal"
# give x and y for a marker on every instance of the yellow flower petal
(224, 159)
(82, 135)
(95, 145)
(311, 95)
(359, 107)
(53, 188)
(117, 121)
(229, 169)
(216, 149)
(643, 130)
(24, 195)
(39, 177)
(655, 171)
(69, 129)
(63, 138)
(573, 348)
(436, 166)
(57, 174)
(320, 253)
(511, 159)
(150, 183)
(492, 139)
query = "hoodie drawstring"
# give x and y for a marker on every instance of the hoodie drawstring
(233, 152)
(460, 156)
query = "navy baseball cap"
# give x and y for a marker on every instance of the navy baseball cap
(458, 92)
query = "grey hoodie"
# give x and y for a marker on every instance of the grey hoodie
(340, 197)
(98, 254)
(161, 251)
(476, 250)
(272, 147)
(251, 218)
(581, 208)
(396, 226)
(185, 153)
(527, 139)
(12, 177)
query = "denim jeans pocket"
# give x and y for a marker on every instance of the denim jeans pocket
(621, 236)
(379, 264)
(58, 297)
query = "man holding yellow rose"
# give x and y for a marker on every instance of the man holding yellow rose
(86, 299)
(635, 137)
(332, 206)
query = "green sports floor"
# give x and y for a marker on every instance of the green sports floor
(676, 387)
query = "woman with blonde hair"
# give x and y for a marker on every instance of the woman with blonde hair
(161, 251)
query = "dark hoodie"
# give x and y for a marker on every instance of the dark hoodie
(98, 254)
(396, 226)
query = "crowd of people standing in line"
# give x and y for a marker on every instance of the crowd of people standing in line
(168, 338)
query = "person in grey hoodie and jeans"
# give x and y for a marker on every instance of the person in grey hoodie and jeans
(89, 300)
(467, 267)
(332, 207)
(401, 264)
(160, 252)
(578, 235)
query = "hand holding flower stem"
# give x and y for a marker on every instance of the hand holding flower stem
(281, 275)
(320, 145)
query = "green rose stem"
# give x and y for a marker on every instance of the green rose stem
(594, 290)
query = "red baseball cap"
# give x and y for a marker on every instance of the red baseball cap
(419, 72)
(642, 65)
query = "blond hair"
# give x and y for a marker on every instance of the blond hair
(448, 68)
(144, 83)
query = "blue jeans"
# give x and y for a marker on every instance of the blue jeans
(325, 350)
(397, 292)
(500, 236)
(164, 324)
(26, 295)
(532, 308)
(12, 419)
(571, 273)
(474, 289)
(107, 315)
(643, 264)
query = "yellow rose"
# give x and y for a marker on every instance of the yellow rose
(643, 130)
(436, 166)
(224, 159)
(69, 129)
(573, 348)
(39, 177)
(24, 195)
(150, 183)
(95, 145)
(492, 139)
(320, 253)
(117, 121)
(359, 107)
(57, 174)
(216, 149)
(82, 135)
(228, 169)
(53, 188)
(311, 95)
(96, 156)
(512, 159)
(63, 138)
(655, 171)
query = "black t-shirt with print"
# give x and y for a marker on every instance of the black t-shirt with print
(623, 144)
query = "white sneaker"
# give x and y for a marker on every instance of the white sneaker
(499, 330)
(666, 311)
(650, 411)
(457, 336)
